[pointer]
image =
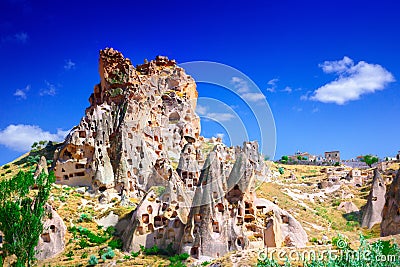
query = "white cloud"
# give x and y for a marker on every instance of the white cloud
(201, 110)
(21, 93)
(243, 89)
(354, 80)
(220, 116)
(49, 90)
(20, 137)
(240, 85)
(287, 89)
(19, 37)
(253, 97)
(69, 65)
(272, 83)
(220, 135)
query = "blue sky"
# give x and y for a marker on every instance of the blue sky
(328, 69)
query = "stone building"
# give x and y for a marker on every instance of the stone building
(332, 156)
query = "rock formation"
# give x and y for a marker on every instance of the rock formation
(141, 122)
(391, 211)
(51, 241)
(372, 211)
(136, 122)
(348, 207)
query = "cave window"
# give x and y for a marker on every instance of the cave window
(197, 218)
(79, 166)
(66, 177)
(82, 134)
(215, 226)
(164, 206)
(220, 207)
(150, 227)
(80, 174)
(240, 242)
(46, 237)
(194, 252)
(158, 221)
(145, 218)
(102, 188)
(150, 209)
(140, 230)
(53, 228)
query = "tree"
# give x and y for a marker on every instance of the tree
(284, 159)
(369, 160)
(21, 214)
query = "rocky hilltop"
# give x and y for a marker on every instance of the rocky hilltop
(141, 122)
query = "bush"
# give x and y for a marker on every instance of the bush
(135, 254)
(6, 166)
(109, 254)
(84, 255)
(179, 257)
(85, 218)
(115, 243)
(93, 260)
(8, 171)
(69, 255)
(127, 257)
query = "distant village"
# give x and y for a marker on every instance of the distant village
(332, 158)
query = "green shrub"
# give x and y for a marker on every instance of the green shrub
(108, 254)
(205, 263)
(93, 260)
(8, 171)
(85, 218)
(83, 243)
(111, 230)
(69, 255)
(84, 255)
(115, 243)
(6, 166)
(179, 257)
(135, 254)
(127, 257)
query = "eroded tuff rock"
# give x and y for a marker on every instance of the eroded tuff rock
(140, 121)
(391, 211)
(136, 120)
(372, 212)
(211, 210)
(51, 241)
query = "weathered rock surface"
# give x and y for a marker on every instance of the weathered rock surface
(51, 242)
(372, 211)
(141, 121)
(41, 167)
(391, 212)
(137, 117)
(347, 207)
